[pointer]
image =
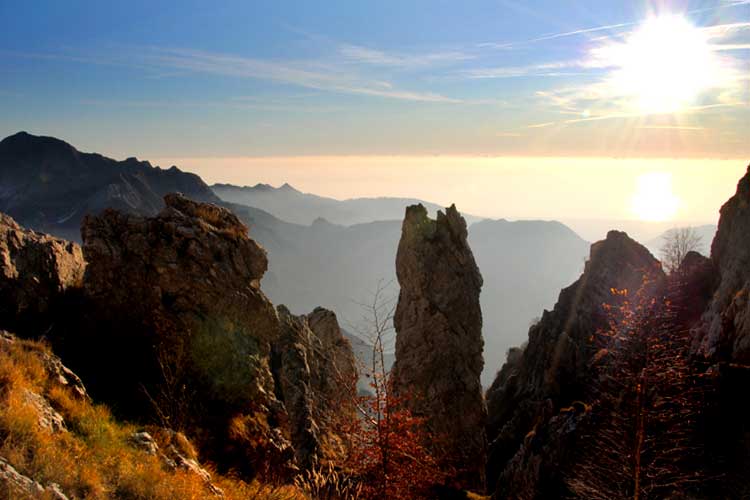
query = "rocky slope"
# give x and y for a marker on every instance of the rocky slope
(48, 185)
(529, 403)
(438, 324)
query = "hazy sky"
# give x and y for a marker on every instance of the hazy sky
(332, 83)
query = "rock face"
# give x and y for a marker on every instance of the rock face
(315, 373)
(726, 330)
(722, 339)
(532, 415)
(439, 343)
(35, 271)
(178, 296)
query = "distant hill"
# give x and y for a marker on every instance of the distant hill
(292, 205)
(706, 233)
(48, 185)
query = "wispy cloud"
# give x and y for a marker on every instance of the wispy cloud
(554, 36)
(163, 61)
(366, 55)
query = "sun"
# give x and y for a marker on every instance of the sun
(664, 65)
(654, 200)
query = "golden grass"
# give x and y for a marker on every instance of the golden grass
(94, 460)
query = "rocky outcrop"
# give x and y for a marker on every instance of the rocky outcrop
(315, 373)
(35, 271)
(725, 333)
(13, 484)
(722, 340)
(439, 342)
(533, 414)
(176, 454)
(178, 296)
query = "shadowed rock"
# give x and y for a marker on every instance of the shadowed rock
(531, 427)
(439, 336)
(178, 296)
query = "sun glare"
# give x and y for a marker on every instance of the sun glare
(664, 65)
(653, 199)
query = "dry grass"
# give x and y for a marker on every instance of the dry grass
(94, 459)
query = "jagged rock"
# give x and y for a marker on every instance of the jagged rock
(726, 325)
(35, 270)
(47, 417)
(178, 295)
(13, 484)
(439, 343)
(530, 439)
(721, 339)
(316, 375)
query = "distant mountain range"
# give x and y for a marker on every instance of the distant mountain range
(48, 185)
(292, 205)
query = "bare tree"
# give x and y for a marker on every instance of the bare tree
(677, 243)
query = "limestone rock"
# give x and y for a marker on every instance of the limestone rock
(16, 485)
(176, 454)
(178, 296)
(726, 325)
(530, 438)
(35, 270)
(439, 342)
(316, 375)
(721, 339)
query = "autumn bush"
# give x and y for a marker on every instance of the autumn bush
(94, 458)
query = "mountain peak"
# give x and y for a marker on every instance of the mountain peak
(23, 141)
(288, 187)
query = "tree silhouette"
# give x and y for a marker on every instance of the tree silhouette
(677, 243)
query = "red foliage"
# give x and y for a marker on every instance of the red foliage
(388, 450)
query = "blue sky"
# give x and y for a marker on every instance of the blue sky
(393, 77)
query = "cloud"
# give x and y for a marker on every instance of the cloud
(293, 73)
(554, 36)
(552, 69)
(163, 61)
(667, 65)
(365, 55)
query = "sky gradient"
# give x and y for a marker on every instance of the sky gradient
(219, 87)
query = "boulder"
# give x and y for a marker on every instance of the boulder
(35, 271)
(439, 343)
